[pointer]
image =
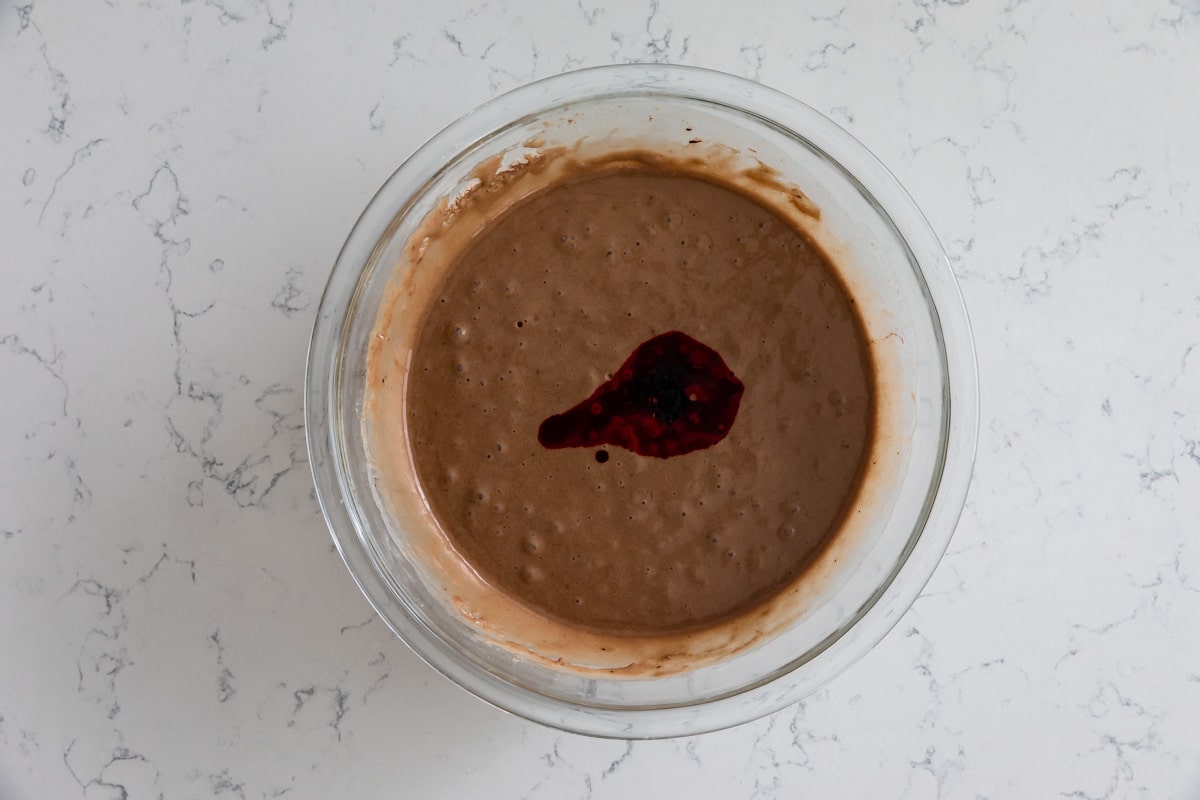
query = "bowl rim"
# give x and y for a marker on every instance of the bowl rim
(949, 484)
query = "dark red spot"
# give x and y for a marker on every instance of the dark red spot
(673, 395)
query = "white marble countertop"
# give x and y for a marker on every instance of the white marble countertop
(175, 181)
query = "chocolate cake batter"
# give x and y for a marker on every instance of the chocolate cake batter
(541, 312)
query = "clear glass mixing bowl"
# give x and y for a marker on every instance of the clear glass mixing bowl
(915, 315)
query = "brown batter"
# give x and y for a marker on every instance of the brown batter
(539, 310)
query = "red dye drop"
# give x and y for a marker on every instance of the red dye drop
(673, 395)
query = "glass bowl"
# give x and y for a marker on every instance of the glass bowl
(921, 340)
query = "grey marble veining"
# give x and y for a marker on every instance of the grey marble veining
(176, 179)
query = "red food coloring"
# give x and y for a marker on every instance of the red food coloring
(672, 396)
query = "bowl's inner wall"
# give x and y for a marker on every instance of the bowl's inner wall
(875, 263)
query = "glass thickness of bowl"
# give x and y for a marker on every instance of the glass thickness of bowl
(898, 262)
